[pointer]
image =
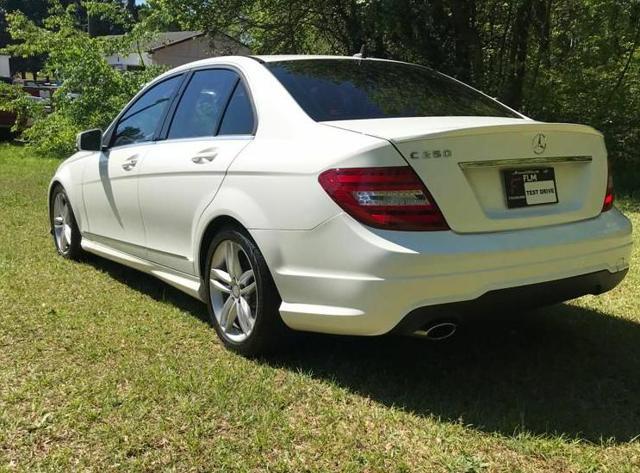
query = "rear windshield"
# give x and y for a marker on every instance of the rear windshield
(346, 89)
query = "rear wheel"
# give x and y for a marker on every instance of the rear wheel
(66, 235)
(242, 298)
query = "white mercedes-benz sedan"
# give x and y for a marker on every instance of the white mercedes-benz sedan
(341, 195)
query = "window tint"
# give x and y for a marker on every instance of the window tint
(141, 120)
(238, 119)
(345, 89)
(202, 104)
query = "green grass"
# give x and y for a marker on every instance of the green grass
(104, 368)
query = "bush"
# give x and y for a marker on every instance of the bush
(15, 100)
(92, 92)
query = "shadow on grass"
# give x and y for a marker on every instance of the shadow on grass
(149, 285)
(563, 370)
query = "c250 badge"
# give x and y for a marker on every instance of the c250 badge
(436, 153)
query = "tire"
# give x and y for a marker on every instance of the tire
(228, 288)
(64, 228)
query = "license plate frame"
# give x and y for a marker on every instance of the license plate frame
(530, 187)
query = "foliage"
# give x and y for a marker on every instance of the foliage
(15, 100)
(37, 11)
(92, 92)
(556, 60)
(582, 64)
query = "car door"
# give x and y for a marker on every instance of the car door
(212, 122)
(110, 184)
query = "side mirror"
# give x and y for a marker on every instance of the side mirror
(90, 140)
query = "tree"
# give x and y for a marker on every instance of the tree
(132, 9)
(92, 92)
(36, 10)
(557, 60)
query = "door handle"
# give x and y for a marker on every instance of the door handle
(130, 162)
(199, 159)
(205, 155)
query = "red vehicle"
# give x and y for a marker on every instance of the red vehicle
(37, 90)
(7, 119)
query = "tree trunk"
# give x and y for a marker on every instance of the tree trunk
(132, 9)
(543, 10)
(518, 54)
(467, 38)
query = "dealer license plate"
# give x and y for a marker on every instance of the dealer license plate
(527, 187)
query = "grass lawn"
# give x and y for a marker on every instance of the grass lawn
(104, 368)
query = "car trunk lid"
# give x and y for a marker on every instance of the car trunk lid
(475, 166)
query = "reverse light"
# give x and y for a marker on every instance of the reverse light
(392, 198)
(609, 196)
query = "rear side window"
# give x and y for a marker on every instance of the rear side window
(202, 104)
(347, 89)
(141, 120)
(238, 119)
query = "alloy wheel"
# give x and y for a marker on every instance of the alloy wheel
(62, 223)
(233, 291)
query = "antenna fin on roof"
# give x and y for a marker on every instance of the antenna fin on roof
(363, 52)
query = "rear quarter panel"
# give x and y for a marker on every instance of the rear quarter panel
(273, 184)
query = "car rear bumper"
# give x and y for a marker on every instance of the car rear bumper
(344, 278)
(515, 298)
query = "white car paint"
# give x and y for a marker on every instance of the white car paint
(110, 195)
(364, 281)
(172, 165)
(479, 206)
(334, 274)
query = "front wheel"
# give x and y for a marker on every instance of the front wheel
(64, 228)
(242, 298)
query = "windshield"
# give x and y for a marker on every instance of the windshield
(346, 89)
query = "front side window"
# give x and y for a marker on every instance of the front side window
(203, 103)
(346, 89)
(141, 120)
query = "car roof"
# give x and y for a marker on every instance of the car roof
(238, 60)
(300, 57)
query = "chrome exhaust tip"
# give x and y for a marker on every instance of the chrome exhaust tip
(437, 331)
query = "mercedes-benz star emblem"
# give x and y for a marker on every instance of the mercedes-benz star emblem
(539, 143)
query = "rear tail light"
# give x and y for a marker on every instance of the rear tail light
(393, 198)
(609, 196)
